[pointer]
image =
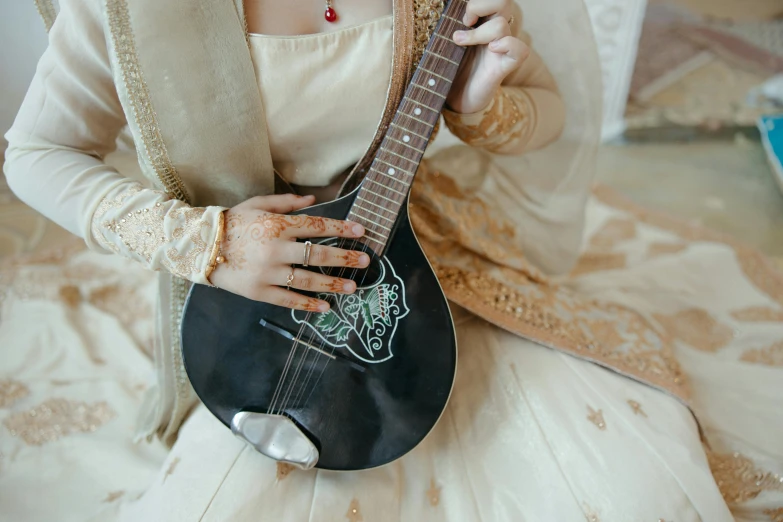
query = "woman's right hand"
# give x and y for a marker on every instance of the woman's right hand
(259, 245)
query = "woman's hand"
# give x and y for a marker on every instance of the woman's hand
(260, 246)
(493, 54)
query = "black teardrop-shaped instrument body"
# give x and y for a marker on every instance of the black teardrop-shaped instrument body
(393, 356)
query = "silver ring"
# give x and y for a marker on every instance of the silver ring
(308, 245)
(290, 279)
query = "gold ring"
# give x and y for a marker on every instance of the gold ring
(290, 279)
(307, 246)
(510, 19)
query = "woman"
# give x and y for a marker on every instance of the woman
(530, 433)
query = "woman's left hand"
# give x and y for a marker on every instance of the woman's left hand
(493, 54)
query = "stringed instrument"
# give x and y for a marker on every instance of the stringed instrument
(361, 385)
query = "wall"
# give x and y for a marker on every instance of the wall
(22, 40)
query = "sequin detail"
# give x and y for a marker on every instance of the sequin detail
(12, 391)
(139, 98)
(697, 328)
(739, 480)
(596, 417)
(47, 11)
(636, 407)
(769, 356)
(433, 494)
(57, 418)
(354, 513)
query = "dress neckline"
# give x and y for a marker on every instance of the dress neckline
(321, 34)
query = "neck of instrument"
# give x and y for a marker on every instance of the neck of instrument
(386, 185)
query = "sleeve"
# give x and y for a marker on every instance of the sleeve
(526, 113)
(69, 121)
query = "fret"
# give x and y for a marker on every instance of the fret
(388, 151)
(381, 196)
(375, 214)
(419, 120)
(406, 145)
(435, 74)
(418, 105)
(443, 37)
(428, 90)
(442, 58)
(411, 132)
(390, 176)
(444, 15)
(386, 187)
(395, 167)
(375, 204)
(381, 242)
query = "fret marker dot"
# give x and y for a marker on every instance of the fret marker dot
(391, 172)
(406, 138)
(431, 83)
(416, 111)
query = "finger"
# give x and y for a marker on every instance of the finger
(288, 299)
(280, 203)
(494, 29)
(320, 255)
(478, 8)
(316, 226)
(311, 281)
(513, 48)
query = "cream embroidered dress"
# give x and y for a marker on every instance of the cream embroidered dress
(530, 433)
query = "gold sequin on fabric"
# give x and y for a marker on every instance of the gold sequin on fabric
(739, 480)
(433, 494)
(57, 418)
(192, 223)
(775, 514)
(426, 14)
(139, 98)
(504, 122)
(47, 11)
(596, 417)
(283, 470)
(636, 407)
(758, 314)
(12, 391)
(697, 328)
(354, 513)
(769, 356)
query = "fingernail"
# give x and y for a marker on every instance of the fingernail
(349, 286)
(494, 44)
(364, 260)
(358, 230)
(323, 307)
(459, 36)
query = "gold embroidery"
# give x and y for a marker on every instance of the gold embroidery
(171, 469)
(58, 418)
(502, 122)
(112, 496)
(738, 478)
(433, 494)
(596, 417)
(354, 513)
(636, 407)
(658, 249)
(283, 470)
(426, 14)
(139, 98)
(590, 262)
(193, 222)
(613, 232)
(770, 356)
(758, 314)
(697, 328)
(775, 514)
(47, 12)
(12, 391)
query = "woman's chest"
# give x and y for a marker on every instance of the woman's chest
(297, 17)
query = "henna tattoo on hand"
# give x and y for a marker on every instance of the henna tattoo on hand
(336, 286)
(352, 259)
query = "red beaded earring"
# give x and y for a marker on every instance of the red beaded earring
(330, 14)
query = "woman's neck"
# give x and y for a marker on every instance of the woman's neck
(296, 17)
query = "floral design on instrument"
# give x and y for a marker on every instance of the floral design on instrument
(365, 322)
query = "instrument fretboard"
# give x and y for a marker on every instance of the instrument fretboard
(385, 186)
